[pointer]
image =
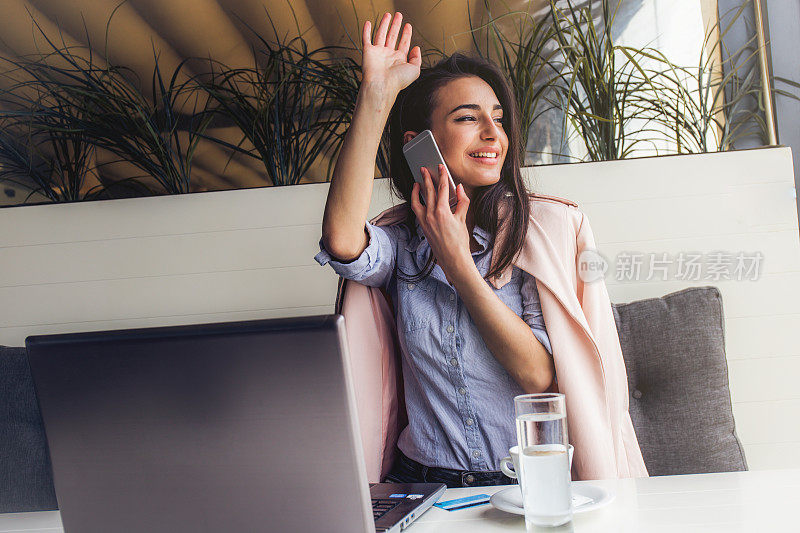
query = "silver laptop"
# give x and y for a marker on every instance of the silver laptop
(245, 426)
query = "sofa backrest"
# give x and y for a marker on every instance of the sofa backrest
(26, 480)
(236, 255)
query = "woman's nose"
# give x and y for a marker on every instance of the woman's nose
(490, 129)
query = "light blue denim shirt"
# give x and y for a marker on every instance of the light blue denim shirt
(460, 399)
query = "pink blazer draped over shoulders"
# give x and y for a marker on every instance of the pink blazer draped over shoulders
(590, 370)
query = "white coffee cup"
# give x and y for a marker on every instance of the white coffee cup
(510, 465)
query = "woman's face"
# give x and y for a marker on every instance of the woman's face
(467, 125)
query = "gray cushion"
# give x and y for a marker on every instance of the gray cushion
(674, 350)
(26, 481)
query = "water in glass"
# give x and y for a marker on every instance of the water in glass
(544, 466)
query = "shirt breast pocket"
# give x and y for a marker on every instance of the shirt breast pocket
(417, 303)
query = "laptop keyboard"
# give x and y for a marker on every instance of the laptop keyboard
(382, 506)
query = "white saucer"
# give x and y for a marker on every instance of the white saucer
(591, 497)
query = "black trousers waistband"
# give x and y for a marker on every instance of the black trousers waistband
(406, 470)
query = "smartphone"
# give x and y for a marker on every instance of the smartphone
(422, 151)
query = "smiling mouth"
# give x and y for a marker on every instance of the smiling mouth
(484, 155)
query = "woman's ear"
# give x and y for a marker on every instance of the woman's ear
(407, 136)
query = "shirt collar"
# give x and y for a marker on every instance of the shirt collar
(419, 244)
(483, 237)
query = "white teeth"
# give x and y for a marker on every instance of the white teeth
(483, 154)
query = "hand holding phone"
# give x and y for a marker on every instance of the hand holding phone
(422, 151)
(448, 236)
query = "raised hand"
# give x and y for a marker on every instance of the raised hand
(387, 64)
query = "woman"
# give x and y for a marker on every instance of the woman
(468, 347)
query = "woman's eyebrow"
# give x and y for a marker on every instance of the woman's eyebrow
(475, 107)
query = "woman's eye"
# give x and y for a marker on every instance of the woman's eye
(499, 120)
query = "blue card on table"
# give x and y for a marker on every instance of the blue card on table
(463, 503)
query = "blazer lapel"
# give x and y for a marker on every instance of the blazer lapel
(540, 258)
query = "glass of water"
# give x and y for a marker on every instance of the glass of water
(543, 459)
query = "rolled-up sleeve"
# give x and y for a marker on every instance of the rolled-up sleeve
(375, 265)
(532, 310)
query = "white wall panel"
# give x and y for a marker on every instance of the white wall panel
(772, 456)
(767, 422)
(764, 379)
(762, 336)
(161, 255)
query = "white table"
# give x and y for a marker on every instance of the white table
(767, 500)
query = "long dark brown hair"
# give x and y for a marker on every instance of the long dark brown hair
(412, 111)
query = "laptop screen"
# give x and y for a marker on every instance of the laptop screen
(235, 426)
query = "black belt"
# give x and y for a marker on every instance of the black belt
(453, 478)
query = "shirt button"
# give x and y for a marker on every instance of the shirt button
(410, 286)
(452, 297)
(454, 361)
(637, 394)
(462, 391)
(476, 453)
(450, 329)
(469, 423)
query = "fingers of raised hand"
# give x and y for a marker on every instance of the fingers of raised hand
(383, 29)
(415, 56)
(366, 34)
(394, 30)
(405, 40)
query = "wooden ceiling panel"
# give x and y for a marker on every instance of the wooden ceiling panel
(443, 23)
(340, 21)
(274, 20)
(131, 40)
(222, 40)
(19, 34)
(227, 31)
